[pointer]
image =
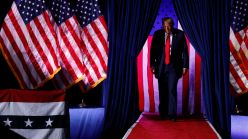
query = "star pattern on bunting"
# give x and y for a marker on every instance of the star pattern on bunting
(34, 122)
(7, 122)
(28, 123)
(49, 122)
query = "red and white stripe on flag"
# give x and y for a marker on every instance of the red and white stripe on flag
(238, 61)
(71, 57)
(83, 52)
(30, 49)
(83, 47)
(189, 86)
(34, 114)
(95, 48)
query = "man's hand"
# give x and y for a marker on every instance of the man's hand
(153, 70)
(185, 70)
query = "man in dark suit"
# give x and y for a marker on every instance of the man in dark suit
(169, 60)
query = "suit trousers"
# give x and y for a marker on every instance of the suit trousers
(168, 92)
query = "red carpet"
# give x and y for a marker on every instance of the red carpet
(150, 126)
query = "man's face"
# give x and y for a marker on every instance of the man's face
(167, 27)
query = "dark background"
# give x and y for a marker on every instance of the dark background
(75, 96)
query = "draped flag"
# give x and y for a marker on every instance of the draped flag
(67, 29)
(39, 38)
(29, 43)
(94, 34)
(34, 114)
(82, 36)
(189, 86)
(239, 47)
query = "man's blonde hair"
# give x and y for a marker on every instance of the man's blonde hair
(169, 20)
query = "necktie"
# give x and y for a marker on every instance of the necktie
(167, 49)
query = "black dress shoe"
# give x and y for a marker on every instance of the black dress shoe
(173, 118)
(163, 115)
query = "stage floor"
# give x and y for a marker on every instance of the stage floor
(151, 126)
(239, 127)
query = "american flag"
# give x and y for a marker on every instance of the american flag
(238, 47)
(34, 114)
(82, 36)
(67, 29)
(189, 97)
(94, 34)
(29, 43)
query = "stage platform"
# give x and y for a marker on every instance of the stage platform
(239, 127)
(88, 123)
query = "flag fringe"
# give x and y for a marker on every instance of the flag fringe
(11, 68)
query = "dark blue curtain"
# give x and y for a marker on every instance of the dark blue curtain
(129, 23)
(206, 23)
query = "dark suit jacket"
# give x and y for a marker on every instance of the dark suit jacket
(179, 53)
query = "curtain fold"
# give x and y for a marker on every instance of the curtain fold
(129, 23)
(207, 23)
